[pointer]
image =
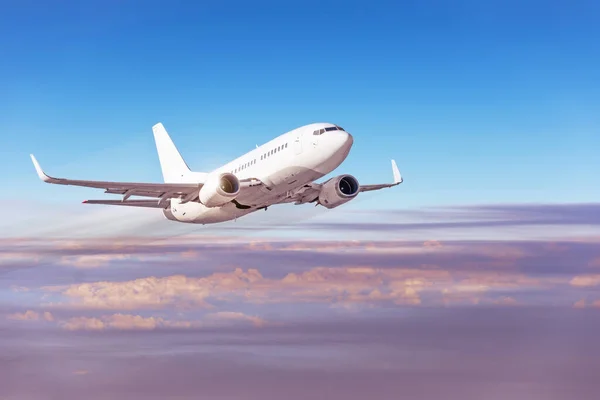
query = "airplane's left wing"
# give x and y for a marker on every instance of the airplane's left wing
(162, 191)
(309, 193)
(397, 180)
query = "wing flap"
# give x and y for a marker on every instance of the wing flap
(130, 203)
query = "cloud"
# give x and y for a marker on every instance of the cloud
(189, 274)
(121, 322)
(83, 323)
(586, 280)
(26, 316)
(81, 372)
(231, 316)
(91, 261)
(153, 292)
(507, 301)
(469, 352)
(31, 315)
(332, 286)
(128, 322)
(474, 216)
(579, 304)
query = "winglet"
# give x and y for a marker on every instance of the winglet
(39, 171)
(397, 177)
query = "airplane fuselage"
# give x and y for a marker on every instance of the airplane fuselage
(284, 165)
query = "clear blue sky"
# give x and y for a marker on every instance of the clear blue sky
(478, 101)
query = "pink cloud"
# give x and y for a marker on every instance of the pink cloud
(586, 280)
(91, 261)
(318, 285)
(31, 315)
(25, 316)
(579, 304)
(81, 372)
(126, 322)
(231, 316)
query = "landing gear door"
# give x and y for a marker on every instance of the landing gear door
(298, 143)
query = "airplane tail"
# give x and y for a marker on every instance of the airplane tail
(174, 168)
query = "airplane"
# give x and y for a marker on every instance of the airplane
(283, 170)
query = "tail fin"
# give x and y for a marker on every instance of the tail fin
(173, 167)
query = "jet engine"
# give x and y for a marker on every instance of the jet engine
(338, 190)
(219, 189)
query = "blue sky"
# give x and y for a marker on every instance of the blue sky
(479, 102)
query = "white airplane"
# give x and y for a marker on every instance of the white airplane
(280, 171)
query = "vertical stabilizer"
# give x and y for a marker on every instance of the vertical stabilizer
(174, 169)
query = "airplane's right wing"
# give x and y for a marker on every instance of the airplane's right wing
(162, 191)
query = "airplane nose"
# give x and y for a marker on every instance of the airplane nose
(340, 141)
(346, 140)
(350, 139)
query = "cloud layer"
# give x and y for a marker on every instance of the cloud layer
(385, 304)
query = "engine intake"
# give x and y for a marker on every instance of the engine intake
(338, 190)
(219, 190)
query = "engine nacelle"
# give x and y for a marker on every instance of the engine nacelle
(338, 190)
(219, 190)
(169, 214)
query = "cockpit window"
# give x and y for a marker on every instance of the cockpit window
(328, 129)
